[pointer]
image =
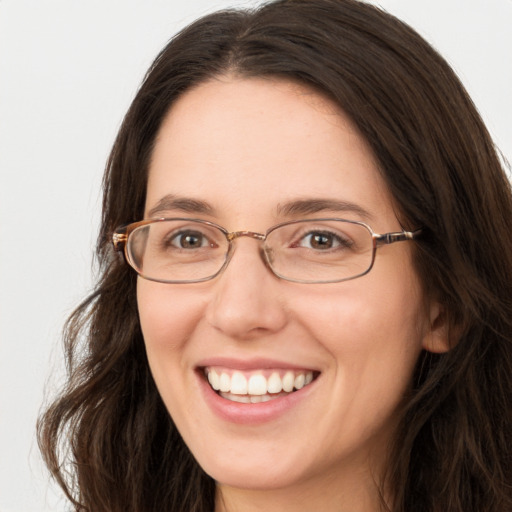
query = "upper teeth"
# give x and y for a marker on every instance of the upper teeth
(256, 383)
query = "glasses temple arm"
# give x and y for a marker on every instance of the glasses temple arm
(119, 240)
(399, 236)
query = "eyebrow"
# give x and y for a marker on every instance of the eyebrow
(183, 204)
(309, 206)
(296, 208)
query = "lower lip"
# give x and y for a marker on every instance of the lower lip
(251, 414)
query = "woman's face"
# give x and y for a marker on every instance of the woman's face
(248, 154)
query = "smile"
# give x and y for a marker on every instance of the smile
(256, 386)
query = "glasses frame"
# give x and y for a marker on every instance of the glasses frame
(122, 233)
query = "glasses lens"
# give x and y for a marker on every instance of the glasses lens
(177, 250)
(320, 251)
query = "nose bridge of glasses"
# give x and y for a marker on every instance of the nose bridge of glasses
(260, 237)
(251, 234)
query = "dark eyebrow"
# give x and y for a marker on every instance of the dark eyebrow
(172, 202)
(296, 208)
(309, 206)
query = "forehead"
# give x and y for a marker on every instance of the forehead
(246, 146)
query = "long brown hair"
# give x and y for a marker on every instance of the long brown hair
(108, 439)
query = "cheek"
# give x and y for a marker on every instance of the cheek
(167, 315)
(362, 309)
(372, 332)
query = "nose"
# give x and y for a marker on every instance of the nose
(247, 301)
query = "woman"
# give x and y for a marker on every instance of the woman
(314, 312)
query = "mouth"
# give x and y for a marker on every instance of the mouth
(257, 386)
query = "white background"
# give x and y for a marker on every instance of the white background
(68, 71)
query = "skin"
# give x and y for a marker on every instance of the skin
(245, 146)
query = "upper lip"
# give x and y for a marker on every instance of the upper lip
(251, 364)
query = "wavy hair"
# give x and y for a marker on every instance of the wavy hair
(108, 439)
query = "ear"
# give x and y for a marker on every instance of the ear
(437, 338)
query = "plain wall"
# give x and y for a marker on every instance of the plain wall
(68, 71)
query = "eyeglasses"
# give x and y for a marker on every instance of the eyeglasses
(181, 250)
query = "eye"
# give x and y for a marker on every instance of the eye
(323, 241)
(188, 240)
